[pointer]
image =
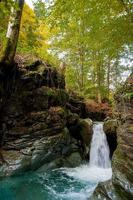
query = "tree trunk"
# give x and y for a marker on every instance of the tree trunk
(81, 64)
(82, 69)
(108, 78)
(7, 73)
(13, 32)
(99, 98)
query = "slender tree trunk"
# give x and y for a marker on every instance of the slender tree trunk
(94, 74)
(82, 69)
(116, 73)
(99, 98)
(82, 50)
(13, 32)
(108, 77)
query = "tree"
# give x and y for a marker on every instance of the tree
(13, 32)
(5, 7)
(8, 59)
(90, 35)
(40, 9)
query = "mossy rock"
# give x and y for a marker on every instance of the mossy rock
(74, 159)
(57, 97)
(86, 130)
(110, 126)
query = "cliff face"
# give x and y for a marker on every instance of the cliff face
(123, 157)
(35, 127)
(121, 185)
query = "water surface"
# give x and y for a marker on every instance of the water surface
(62, 184)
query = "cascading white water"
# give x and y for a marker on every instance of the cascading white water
(99, 152)
(99, 167)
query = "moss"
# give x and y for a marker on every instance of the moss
(62, 96)
(129, 95)
(41, 69)
(50, 92)
(122, 193)
(130, 129)
(119, 156)
(58, 96)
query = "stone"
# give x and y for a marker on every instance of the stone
(81, 130)
(110, 128)
(86, 133)
(74, 159)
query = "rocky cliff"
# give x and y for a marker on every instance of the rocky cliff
(121, 186)
(38, 119)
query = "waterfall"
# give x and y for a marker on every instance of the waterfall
(99, 151)
(99, 167)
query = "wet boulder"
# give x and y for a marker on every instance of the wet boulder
(110, 128)
(81, 130)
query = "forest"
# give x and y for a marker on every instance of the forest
(66, 99)
(93, 40)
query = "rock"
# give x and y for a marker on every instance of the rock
(36, 117)
(123, 159)
(74, 160)
(76, 104)
(86, 134)
(49, 152)
(15, 164)
(110, 128)
(104, 191)
(81, 130)
(57, 163)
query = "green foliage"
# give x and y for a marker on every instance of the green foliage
(39, 9)
(93, 38)
(129, 95)
(4, 16)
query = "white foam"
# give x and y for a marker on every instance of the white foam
(82, 195)
(89, 174)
